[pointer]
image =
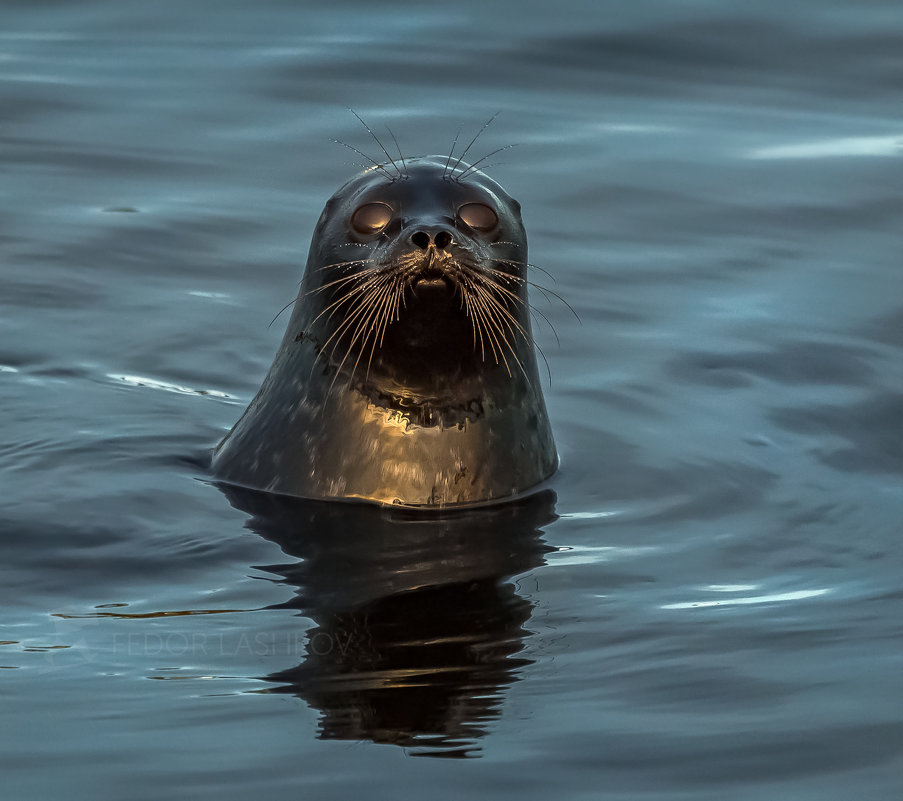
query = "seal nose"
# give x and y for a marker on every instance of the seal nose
(424, 237)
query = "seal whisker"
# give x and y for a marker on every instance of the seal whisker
(359, 164)
(450, 154)
(358, 303)
(498, 308)
(491, 164)
(546, 291)
(368, 303)
(361, 313)
(465, 306)
(477, 325)
(479, 305)
(344, 280)
(378, 322)
(280, 312)
(486, 293)
(395, 311)
(400, 154)
(473, 167)
(490, 335)
(542, 270)
(387, 311)
(350, 294)
(374, 162)
(534, 311)
(499, 332)
(495, 285)
(513, 263)
(370, 322)
(344, 264)
(545, 361)
(376, 139)
(527, 337)
(476, 136)
(368, 325)
(360, 297)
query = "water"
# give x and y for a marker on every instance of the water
(705, 604)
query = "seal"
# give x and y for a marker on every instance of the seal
(407, 374)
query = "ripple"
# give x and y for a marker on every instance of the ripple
(595, 554)
(777, 597)
(588, 515)
(147, 615)
(639, 128)
(731, 587)
(833, 148)
(153, 383)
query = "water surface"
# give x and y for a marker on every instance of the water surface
(705, 603)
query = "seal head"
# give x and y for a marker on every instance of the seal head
(407, 373)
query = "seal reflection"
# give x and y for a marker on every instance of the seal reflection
(418, 624)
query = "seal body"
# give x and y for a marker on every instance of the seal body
(407, 373)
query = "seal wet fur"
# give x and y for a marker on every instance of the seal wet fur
(407, 373)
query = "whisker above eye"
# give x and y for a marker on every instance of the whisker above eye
(376, 139)
(473, 167)
(374, 162)
(466, 149)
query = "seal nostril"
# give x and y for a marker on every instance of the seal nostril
(442, 239)
(421, 239)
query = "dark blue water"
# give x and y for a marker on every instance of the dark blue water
(706, 602)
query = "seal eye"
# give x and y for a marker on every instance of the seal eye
(371, 218)
(478, 216)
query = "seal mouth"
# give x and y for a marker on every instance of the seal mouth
(431, 278)
(432, 274)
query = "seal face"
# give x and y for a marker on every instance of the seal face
(407, 373)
